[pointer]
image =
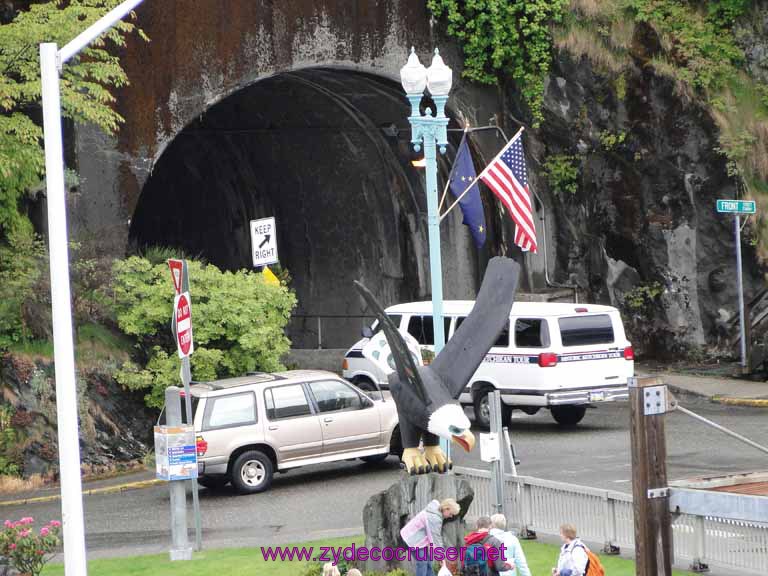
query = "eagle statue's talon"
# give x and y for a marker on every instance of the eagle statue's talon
(414, 461)
(436, 458)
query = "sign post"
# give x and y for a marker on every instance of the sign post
(181, 325)
(737, 208)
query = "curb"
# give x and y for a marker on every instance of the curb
(754, 402)
(106, 490)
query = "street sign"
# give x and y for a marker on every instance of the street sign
(264, 241)
(182, 314)
(736, 206)
(175, 453)
(177, 273)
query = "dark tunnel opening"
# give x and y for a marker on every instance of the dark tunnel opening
(315, 148)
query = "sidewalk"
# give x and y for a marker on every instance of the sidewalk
(119, 483)
(721, 389)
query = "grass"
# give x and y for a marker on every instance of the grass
(237, 561)
(14, 484)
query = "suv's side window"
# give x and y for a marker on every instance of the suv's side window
(421, 328)
(501, 342)
(230, 410)
(332, 396)
(286, 402)
(531, 333)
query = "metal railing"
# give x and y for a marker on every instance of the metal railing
(326, 330)
(535, 505)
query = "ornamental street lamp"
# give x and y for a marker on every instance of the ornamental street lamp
(430, 132)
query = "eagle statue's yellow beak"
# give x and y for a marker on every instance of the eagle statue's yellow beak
(466, 440)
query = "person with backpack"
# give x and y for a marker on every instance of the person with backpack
(479, 542)
(575, 558)
(425, 529)
(513, 551)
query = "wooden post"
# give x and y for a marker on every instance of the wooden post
(653, 526)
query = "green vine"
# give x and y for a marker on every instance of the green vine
(505, 38)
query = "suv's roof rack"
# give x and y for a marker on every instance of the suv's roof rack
(250, 378)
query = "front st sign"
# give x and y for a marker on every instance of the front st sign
(264, 241)
(182, 314)
(736, 206)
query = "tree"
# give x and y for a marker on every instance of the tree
(85, 90)
(238, 323)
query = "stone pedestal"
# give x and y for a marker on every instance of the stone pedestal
(387, 512)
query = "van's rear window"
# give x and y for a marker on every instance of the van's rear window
(586, 330)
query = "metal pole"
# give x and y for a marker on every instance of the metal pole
(61, 307)
(186, 374)
(435, 259)
(743, 339)
(497, 469)
(722, 429)
(180, 548)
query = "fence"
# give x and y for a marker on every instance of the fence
(326, 331)
(541, 506)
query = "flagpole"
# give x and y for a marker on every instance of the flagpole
(452, 206)
(448, 180)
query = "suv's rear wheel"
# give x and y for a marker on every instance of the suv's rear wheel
(213, 482)
(375, 459)
(568, 415)
(252, 472)
(482, 407)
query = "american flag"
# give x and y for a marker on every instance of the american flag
(507, 177)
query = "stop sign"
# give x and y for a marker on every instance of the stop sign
(183, 316)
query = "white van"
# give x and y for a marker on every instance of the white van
(562, 357)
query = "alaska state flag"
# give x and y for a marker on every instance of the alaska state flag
(462, 174)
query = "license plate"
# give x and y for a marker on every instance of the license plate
(597, 396)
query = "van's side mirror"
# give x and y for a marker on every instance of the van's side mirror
(367, 332)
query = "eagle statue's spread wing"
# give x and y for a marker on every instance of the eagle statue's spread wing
(464, 352)
(406, 367)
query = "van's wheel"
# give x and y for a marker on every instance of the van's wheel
(366, 386)
(568, 415)
(252, 472)
(483, 409)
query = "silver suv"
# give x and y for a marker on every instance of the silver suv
(249, 427)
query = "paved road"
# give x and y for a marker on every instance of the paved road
(326, 501)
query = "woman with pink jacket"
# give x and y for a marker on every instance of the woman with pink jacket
(425, 529)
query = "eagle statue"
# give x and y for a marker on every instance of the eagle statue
(427, 396)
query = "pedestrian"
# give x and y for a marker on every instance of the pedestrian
(573, 554)
(353, 572)
(476, 557)
(513, 550)
(425, 529)
(330, 569)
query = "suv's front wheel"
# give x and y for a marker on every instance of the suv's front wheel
(482, 405)
(568, 415)
(252, 472)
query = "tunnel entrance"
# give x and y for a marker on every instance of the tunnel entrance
(320, 150)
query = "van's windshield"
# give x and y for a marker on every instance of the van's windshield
(376, 326)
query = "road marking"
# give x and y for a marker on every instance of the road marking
(754, 402)
(94, 491)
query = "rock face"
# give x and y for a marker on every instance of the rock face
(387, 512)
(641, 232)
(115, 425)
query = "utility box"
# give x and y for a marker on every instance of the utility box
(175, 453)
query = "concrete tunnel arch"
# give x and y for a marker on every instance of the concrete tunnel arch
(315, 148)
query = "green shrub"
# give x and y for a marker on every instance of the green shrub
(238, 323)
(562, 173)
(609, 140)
(10, 455)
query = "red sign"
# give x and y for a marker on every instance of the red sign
(177, 272)
(182, 312)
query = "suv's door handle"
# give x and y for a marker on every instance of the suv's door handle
(273, 427)
(328, 420)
